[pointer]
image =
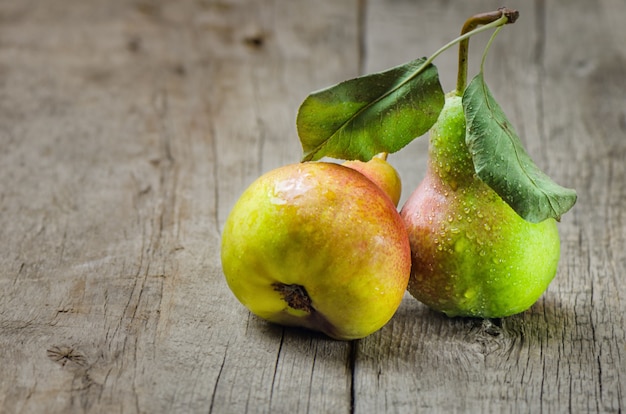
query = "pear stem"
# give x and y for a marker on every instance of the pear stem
(382, 156)
(489, 19)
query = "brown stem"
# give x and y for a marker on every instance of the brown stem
(470, 24)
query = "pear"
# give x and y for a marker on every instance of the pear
(320, 246)
(381, 173)
(472, 254)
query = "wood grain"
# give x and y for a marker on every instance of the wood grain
(566, 353)
(129, 129)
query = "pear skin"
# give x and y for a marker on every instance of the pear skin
(382, 173)
(472, 254)
(317, 245)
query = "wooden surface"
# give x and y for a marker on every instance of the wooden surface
(129, 128)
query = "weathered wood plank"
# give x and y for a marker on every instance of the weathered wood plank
(128, 130)
(559, 76)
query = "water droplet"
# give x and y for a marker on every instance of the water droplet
(487, 227)
(482, 253)
(460, 245)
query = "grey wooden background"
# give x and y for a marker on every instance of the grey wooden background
(129, 128)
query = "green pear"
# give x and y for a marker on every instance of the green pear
(320, 246)
(383, 174)
(472, 254)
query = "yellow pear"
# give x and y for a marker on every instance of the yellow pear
(320, 246)
(381, 173)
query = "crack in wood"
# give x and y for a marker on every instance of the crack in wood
(64, 354)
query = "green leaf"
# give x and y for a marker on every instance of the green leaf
(380, 112)
(501, 161)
